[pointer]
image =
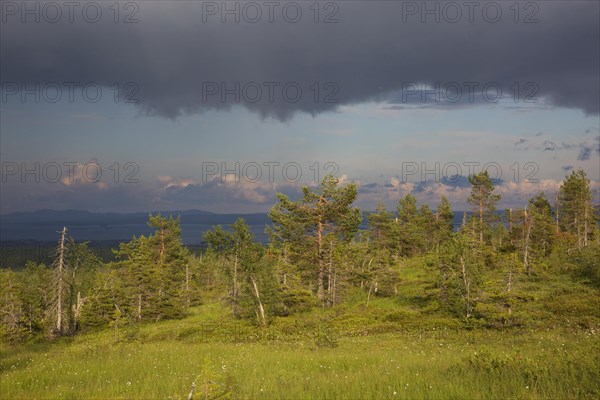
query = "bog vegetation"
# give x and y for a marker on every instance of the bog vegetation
(505, 306)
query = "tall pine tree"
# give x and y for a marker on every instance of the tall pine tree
(576, 213)
(305, 224)
(483, 200)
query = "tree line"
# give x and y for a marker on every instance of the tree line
(316, 257)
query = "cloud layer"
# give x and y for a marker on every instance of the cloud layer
(241, 196)
(179, 64)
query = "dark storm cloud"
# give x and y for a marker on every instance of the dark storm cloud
(370, 188)
(585, 152)
(549, 145)
(583, 149)
(370, 54)
(456, 181)
(566, 168)
(520, 141)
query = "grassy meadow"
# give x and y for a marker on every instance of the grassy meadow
(395, 348)
(411, 366)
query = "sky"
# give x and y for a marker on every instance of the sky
(217, 106)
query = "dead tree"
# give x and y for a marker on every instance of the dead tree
(261, 309)
(59, 282)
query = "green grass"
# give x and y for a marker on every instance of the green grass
(476, 365)
(399, 347)
(162, 360)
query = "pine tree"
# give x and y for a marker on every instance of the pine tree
(138, 268)
(254, 285)
(576, 210)
(410, 237)
(247, 254)
(153, 270)
(305, 225)
(172, 260)
(223, 246)
(483, 200)
(427, 228)
(443, 224)
(445, 217)
(542, 230)
(381, 227)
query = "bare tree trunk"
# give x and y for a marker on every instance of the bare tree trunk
(10, 315)
(510, 274)
(585, 225)
(370, 284)
(320, 280)
(509, 283)
(285, 266)
(117, 320)
(262, 320)
(191, 394)
(556, 207)
(334, 285)
(78, 306)
(61, 266)
(330, 275)
(510, 225)
(329, 283)
(528, 222)
(187, 285)
(162, 243)
(467, 287)
(139, 307)
(578, 224)
(481, 222)
(235, 288)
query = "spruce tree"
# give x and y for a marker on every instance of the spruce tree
(12, 318)
(36, 295)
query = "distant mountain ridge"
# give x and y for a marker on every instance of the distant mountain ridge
(86, 217)
(44, 225)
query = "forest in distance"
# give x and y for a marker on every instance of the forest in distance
(322, 280)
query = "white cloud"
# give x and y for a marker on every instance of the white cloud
(89, 174)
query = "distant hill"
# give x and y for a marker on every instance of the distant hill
(44, 225)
